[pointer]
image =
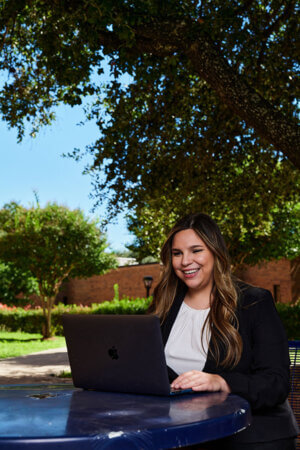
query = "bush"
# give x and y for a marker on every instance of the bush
(14, 318)
(32, 320)
(290, 316)
(125, 306)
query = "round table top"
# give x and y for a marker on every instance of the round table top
(61, 416)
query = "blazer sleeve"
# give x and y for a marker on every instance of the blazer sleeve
(262, 376)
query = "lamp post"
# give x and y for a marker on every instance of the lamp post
(148, 283)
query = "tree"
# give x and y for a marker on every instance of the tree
(15, 282)
(208, 120)
(246, 52)
(52, 243)
(275, 237)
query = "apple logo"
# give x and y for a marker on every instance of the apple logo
(113, 352)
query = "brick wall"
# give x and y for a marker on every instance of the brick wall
(269, 275)
(99, 288)
(130, 280)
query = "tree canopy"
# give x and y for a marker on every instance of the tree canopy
(52, 244)
(16, 285)
(207, 122)
(250, 238)
(246, 52)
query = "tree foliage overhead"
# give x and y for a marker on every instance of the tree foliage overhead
(208, 121)
(245, 51)
(52, 244)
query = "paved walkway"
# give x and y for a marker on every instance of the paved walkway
(41, 367)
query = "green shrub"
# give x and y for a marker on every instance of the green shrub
(116, 291)
(32, 320)
(290, 316)
(124, 306)
(20, 319)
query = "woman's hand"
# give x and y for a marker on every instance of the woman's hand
(200, 381)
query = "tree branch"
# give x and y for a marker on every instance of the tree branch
(269, 123)
(207, 61)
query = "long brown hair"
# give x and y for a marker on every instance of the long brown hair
(222, 319)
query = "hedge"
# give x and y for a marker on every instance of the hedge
(290, 316)
(31, 320)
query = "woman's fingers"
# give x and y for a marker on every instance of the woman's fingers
(200, 381)
(187, 379)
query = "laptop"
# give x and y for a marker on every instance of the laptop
(117, 353)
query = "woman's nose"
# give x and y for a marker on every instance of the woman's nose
(186, 259)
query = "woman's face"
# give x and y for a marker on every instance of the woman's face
(192, 260)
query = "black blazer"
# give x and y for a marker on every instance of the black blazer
(262, 374)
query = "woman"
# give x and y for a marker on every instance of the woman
(223, 335)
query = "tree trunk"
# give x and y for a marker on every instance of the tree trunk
(47, 310)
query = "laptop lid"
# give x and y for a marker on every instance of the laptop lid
(117, 353)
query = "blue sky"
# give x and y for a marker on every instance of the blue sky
(37, 165)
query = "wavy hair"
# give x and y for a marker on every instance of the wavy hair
(222, 319)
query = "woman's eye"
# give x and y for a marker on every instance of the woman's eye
(175, 254)
(198, 250)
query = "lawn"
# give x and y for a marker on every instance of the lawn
(19, 343)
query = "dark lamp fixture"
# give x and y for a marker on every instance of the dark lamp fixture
(148, 283)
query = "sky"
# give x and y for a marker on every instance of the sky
(36, 164)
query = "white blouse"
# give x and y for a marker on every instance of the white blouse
(184, 350)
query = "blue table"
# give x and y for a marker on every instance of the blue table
(63, 417)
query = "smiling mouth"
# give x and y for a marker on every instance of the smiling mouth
(190, 272)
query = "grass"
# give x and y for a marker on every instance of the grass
(65, 374)
(19, 343)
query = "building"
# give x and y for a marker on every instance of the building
(281, 277)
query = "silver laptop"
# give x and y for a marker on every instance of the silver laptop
(117, 353)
